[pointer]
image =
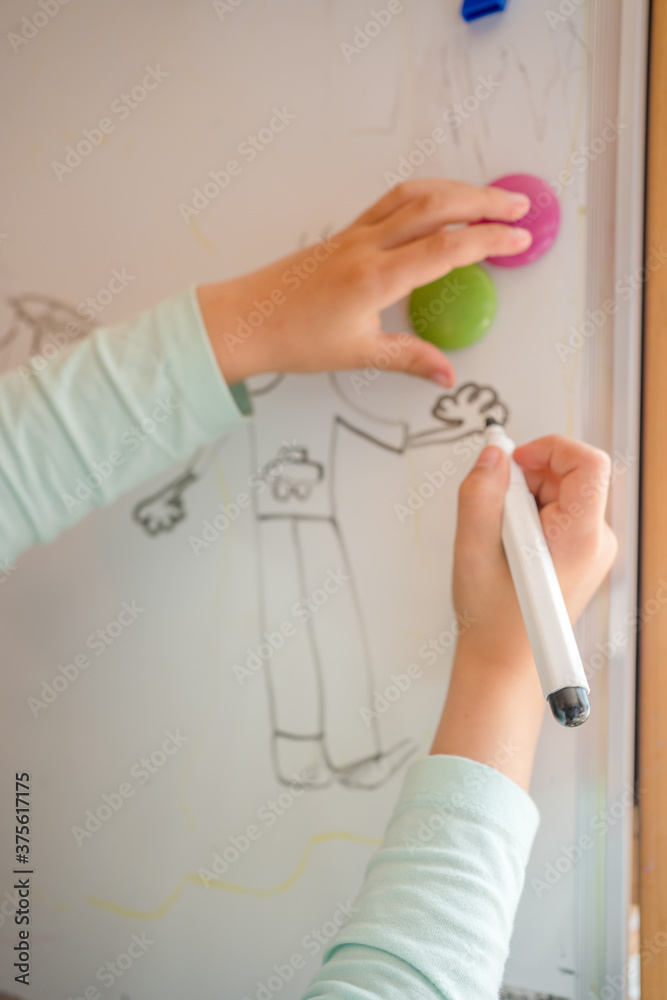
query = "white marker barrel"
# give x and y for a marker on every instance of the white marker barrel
(552, 640)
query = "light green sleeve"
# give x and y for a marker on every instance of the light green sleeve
(103, 415)
(435, 913)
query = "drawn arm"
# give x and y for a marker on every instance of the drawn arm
(163, 510)
(458, 415)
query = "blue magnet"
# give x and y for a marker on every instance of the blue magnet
(472, 9)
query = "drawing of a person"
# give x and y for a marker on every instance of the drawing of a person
(318, 679)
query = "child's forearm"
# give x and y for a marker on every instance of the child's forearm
(434, 916)
(494, 711)
(103, 416)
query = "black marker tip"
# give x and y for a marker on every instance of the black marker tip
(491, 421)
(570, 706)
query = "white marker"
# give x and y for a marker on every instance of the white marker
(540, 597)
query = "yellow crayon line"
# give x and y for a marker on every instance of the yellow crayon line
(318, 838)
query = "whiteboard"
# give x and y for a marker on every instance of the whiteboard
(165, 689)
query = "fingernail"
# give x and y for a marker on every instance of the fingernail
(522, 238)
(520, 205)
(443, 378)
(488, 457)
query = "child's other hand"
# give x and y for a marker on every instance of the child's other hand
(495, 704)
(570, 481)
(319, 309)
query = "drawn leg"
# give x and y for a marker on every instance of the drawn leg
(340, 648)
(291, 665)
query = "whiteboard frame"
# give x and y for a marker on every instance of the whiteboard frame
(619, 29)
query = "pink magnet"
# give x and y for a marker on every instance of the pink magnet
(542, 218)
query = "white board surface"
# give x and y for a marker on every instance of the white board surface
(172, 669)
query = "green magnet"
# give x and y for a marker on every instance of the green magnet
(456, 310)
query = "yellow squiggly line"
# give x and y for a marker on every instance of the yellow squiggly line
(318, 838)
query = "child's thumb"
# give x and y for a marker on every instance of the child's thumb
(406, 352)
(481, 500)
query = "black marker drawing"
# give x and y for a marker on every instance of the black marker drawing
(315, 722)
(298, 482)
(314, 699)
(41, 320)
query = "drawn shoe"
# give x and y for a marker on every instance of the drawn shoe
(300, 761)
(372, 772)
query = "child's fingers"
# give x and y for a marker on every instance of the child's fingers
(480, 507)
(426, 259)
(395, 199)
(431, 211)
(544, 485)
(414, 356)
(584, 472)
(463, 202)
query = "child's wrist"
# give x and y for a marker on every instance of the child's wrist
(238, 349)
(494, 710)
(506, 654)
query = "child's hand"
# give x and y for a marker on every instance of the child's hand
(570, 481)
(319, 308)
(495, 704)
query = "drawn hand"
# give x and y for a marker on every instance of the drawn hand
(465, 411)
(319, 309)
(163, 511)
